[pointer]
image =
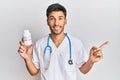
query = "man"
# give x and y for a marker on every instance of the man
(59, 55)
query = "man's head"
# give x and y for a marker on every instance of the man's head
(56, 7)
(56, 18)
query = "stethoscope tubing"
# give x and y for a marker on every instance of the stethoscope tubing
(48, 46)
(70, 48)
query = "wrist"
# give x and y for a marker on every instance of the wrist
(90, 61)
(28, 59)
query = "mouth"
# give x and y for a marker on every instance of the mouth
(57, 28)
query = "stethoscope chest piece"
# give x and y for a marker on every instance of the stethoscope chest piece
(70, 62)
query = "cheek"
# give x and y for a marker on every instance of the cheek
(50, 23)
(63, 23)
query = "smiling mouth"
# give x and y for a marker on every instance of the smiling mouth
(57, 28)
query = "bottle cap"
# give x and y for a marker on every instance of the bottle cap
(26, 31)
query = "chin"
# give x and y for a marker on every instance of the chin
(57, 33)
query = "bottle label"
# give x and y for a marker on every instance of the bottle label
(27, 38)
(28, 42)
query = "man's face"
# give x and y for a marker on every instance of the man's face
(56, 21)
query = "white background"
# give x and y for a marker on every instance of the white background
(92, 21)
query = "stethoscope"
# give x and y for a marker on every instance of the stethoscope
(70, 61)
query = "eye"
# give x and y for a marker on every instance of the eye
(60, 18)
(51, 18)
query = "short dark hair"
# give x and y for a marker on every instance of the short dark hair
(56, 7)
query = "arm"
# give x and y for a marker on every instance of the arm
(25, 52)
(86, 67)
(95, 55)
(31, 67)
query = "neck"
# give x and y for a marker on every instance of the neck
(57, 39)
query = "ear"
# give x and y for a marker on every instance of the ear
(47, 21)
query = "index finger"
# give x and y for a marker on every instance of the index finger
(22, 39)
(103, 45)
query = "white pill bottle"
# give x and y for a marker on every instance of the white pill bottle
(27, 38)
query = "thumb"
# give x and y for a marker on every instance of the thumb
(93, 48)
(32, 45)
(30, 48)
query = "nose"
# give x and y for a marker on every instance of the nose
(56, 22)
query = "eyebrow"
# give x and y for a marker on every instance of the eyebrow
(53, 16)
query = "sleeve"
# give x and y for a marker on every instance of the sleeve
(82, 56)
(35, 57)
